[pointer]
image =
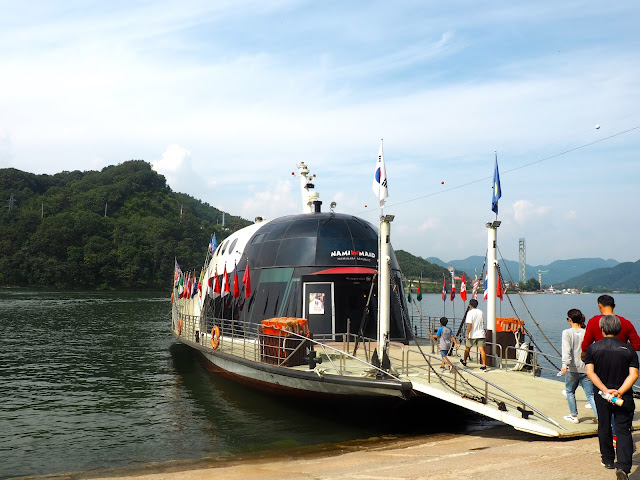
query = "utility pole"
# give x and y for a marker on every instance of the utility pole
(11, 201)
(105, 209)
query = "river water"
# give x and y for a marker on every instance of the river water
(95, 380)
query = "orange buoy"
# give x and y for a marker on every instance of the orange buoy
(215, 337)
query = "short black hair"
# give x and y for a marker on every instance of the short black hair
(473, 302)
(444, 321)
(606, 301)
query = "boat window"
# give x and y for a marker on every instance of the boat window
(290, 306)
(267, 256)
(258, 238)
(271, 275)
(224, 247)
(233, 245)
(278, 231)
(302, 228)
(334, 228)
(297, 251)
(361, 230)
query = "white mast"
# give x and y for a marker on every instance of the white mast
(309, 197)
(492, 270)
(384, 281)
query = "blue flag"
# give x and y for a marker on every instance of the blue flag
(213, 244)
(497, 191)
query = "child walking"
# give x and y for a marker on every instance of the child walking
(445, 338)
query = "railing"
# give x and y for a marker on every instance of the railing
(531, 361)
(460, 383)
(287, 348)
(291, 349)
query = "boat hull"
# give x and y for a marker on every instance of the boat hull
(296, 382)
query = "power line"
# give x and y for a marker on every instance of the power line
(512, 169)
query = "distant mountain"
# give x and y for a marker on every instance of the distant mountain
(622, 277)
(556, 272)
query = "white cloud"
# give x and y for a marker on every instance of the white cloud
(278, 200)
(525, 211)
(445, 86)
(430, 224)
(175, 165)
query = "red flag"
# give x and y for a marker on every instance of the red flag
(216, 283)
(236, 287)
(246, 279)
(463, 289)
(187, 287)
(225, 282)
(444, 288)
(499, 288)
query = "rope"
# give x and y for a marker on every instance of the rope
(530, 314)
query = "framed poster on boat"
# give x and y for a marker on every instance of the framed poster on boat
(319, 307)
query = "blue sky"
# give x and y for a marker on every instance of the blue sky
(224, 98)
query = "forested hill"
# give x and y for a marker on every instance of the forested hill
(415, 267)
(114, 229)
(623, 277)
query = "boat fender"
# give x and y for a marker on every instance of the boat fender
(215, 337)
(523, 353)
(179, 326)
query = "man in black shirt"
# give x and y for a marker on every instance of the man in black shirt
(612, 366)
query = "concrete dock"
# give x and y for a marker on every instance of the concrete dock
(491, 454)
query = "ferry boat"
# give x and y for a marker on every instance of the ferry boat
(312, 305)
(304, 320)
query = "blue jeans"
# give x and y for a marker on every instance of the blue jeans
(571, 382)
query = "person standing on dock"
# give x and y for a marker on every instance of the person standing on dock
(573, 366)
(593, 333)
(476, 334)
(612, 366)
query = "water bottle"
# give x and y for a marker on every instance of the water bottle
(611, 398)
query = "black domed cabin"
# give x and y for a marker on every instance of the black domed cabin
(319, 266)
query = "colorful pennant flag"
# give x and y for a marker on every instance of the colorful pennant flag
(499, 288)
(236, 285)
(419, 295)
(444, 288)
(379, 185)
(246, 279)
(497, 191)
(486, 286)
(463, 289)
(474, 290)
(216, 283)
(453, 287)
(213, 244)
(225, 282)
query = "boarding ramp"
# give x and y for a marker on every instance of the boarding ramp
(517, 397)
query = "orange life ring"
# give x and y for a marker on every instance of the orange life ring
(179, 326)
(215, 337)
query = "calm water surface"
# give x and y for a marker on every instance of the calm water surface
(95, 380)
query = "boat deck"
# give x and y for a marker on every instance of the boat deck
(527, 402)
(518, 398)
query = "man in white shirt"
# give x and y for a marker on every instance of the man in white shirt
(475, 333)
